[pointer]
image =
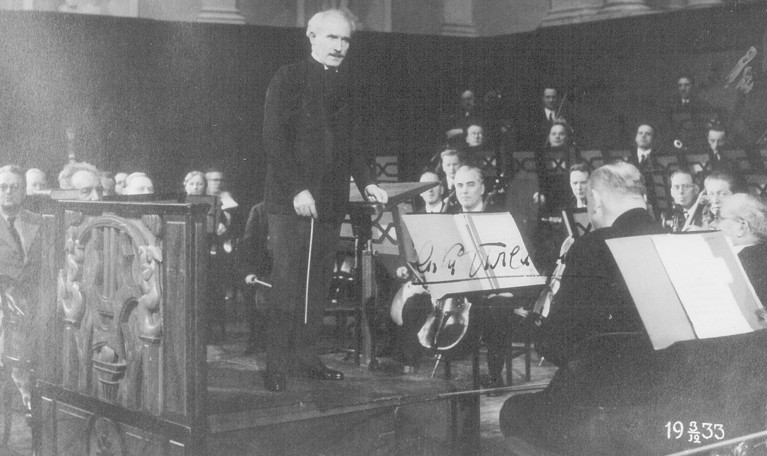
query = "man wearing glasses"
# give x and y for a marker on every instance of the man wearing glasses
(684, 192)
(20, 259)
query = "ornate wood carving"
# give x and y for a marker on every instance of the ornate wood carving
(110, 297)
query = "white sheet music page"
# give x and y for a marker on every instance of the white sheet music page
(702, 282)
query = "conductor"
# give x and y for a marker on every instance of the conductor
(307, 136)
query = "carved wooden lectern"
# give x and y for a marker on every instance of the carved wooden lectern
(119, 371)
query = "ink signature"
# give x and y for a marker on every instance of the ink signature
(490, 256)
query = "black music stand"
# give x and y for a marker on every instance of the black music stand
(360, 212)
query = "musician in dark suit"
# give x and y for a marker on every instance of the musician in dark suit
(645, 158)
(717, 143)
(308, 141)
(20, 261)
(539, 121)
(593, 301)
(687, 115)
(254, 262)
(494, 313)
(743, 219)
(684, 192)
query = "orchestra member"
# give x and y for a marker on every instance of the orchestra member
(717, 143)
(593, 301)
(684, 192)
(450, 161)
(307, 136)
(743, 219)
(195, 183)
(579, 177)
(254, 261)
(494, 313)
(432, 198)
(718, 185)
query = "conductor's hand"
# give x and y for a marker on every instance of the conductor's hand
(304, 205)
(376, 194)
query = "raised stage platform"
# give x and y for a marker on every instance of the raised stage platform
(369, 412)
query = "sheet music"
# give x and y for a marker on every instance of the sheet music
(470, 252)
(702, 282)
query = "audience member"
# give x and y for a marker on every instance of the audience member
(684, 192)
(195, 183)
(120, 182)
(65, 176)
(107, 183)
(138, 184)
(20, 261)
(743, 219)
(88, 182)
(37, 181)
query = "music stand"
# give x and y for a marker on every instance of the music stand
(360, 212)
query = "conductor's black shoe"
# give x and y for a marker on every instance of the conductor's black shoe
(275, 382)
(323, 373)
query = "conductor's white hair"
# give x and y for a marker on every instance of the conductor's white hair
(314, 26)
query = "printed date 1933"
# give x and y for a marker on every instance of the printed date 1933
(696, 432)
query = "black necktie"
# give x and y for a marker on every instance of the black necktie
(15, 235)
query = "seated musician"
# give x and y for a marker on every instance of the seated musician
(195, 183)
(20, 259)
(432, 198)
(579, 177)
(718, 185)
(450, 161)
(684, 192)
(494, 313)
(254, 261)
(593, 299)
(743, 219)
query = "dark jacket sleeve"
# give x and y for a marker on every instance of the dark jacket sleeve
(280, 129)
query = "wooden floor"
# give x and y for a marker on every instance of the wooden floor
(235, 383)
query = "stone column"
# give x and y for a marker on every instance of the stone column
(458, 18)
(223, 11)
(699, 3)
(619, 8)
(571, 11)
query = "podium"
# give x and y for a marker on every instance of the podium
(361, 214)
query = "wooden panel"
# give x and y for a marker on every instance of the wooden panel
(176, 337)
(128, 316)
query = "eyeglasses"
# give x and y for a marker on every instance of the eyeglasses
(12, 187)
